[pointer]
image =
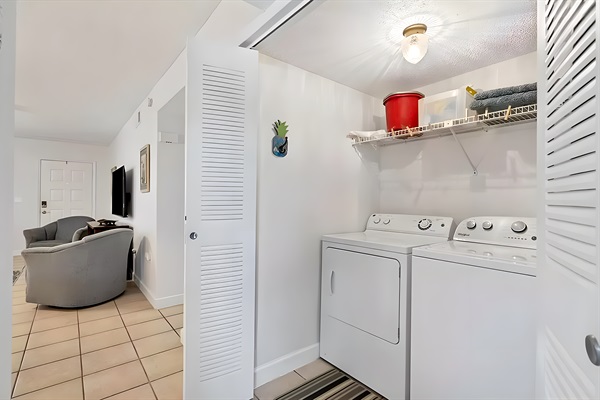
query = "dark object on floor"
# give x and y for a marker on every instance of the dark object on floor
(505, 91)
(79, 274)
(55, 233)
(332, 385)
(501, 103)
(16, 275)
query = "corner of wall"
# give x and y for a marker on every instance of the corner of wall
(282, 365)
(158, 302)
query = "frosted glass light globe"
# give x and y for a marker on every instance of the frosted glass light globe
(414, 47)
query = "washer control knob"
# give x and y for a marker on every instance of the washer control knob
(386, 221)
(518, 227)
(377, 220)
(424, 224)
(471, 224)
(487, 225)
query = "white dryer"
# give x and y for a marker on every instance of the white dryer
(365, 294)
(473, 313)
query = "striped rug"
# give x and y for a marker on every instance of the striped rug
(332, 385)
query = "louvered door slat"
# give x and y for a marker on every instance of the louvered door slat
(566, 124)
(580, 181)
(568, 250)
(573, 67)
(582, 88)
(565, 51)
(583, 233)
(576, 215)
(583, 129)
(581, 146)
(569, 169)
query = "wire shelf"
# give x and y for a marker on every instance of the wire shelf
(497, 119)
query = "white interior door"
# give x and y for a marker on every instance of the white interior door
(568, 176)
(66, 189)
(221, 145)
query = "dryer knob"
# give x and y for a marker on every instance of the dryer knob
(386, 221)
(518, 227)
(487, 225)
(424, 224)
(471, 224)
(377, 220)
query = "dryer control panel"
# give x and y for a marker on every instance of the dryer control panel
(505, 231)
(412, 224)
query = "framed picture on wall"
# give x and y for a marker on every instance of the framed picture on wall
(145, 169)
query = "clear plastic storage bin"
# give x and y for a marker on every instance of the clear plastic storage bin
(445, 106)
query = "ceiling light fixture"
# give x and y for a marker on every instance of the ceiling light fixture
(415, 43)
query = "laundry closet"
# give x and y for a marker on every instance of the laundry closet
(467, 170)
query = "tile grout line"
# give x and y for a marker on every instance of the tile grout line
(80, 356)
(44, 388)
(12, 392)
(49, 362)
(123, 391)
(138, 357)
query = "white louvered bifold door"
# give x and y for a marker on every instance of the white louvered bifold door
(221, 146)
(569, 204)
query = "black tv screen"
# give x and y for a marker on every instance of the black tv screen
(119, 195)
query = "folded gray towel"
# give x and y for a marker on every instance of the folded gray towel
(505, 91)
(502, 102)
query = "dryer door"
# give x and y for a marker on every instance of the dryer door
(363, 290)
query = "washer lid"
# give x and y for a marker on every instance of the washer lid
(386, 241)
(503, 258)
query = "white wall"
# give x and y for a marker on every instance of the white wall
(125, 150)
(28, 153)
(152, 276)
(170, 186)
(434, 177)
(7, 131)
(320, 187)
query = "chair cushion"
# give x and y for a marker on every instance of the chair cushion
(48, 243)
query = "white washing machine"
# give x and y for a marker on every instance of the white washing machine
(365, 294)
(473, 313)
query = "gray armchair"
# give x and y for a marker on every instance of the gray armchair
(78, 274)
(55, 233)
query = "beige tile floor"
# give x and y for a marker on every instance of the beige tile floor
(122, 349)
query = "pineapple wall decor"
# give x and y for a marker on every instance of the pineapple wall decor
(280, 140)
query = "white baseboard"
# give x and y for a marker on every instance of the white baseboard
(160, 302)
(282, 365)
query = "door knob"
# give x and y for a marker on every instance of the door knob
(593, 349)
(43, 212)
(193, 236)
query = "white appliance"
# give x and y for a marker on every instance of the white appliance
(365, 294)
(473, 313)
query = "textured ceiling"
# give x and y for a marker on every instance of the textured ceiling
(357, 43)
(84, 66)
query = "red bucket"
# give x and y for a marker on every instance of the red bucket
(402, 110)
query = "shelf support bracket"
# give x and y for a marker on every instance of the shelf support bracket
(475, 172)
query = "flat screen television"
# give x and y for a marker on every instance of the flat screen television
(119, 192)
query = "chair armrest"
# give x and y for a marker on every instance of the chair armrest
(79, 234)
(34, 235)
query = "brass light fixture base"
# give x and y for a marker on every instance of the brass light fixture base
(414, 29)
